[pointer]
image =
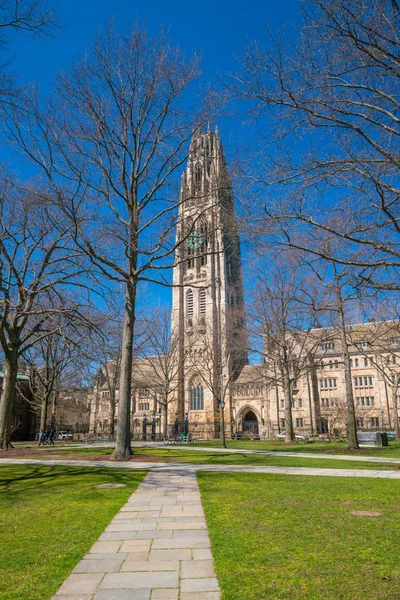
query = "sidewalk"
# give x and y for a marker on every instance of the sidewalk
(156, 548)
(192, 468)
(311, 455)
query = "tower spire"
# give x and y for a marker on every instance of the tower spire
(207, 308)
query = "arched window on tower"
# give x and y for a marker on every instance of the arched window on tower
(188, 230)
(196, 396)
(189, 307)
(232, 300)
(197, 174)
(203, 248)
(229, 269)
(202, 305)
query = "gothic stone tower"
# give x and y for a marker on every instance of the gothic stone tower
(208, 321)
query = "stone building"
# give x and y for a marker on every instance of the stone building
(210, 348)
(23, 416)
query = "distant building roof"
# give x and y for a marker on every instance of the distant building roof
(20, 376)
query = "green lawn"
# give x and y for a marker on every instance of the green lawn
(49, 517)
(309, 446)
(276, 536)
(170, 455)
(391, 451)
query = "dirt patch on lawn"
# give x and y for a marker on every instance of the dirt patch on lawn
(365, 513)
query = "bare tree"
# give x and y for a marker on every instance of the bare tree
(58, 360)
(37, 259)
(284, 311)
(117, 132)
(380, 348)
(161, 368)
(339, 294)
(214, 364)
(330, 101)
(105, 353)
(29, 17)
(46, 360)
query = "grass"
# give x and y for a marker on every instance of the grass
(309, 446)
(197, 456)
(49, 517)
(280, 537)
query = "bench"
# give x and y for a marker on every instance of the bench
(172, 439)
(372, 438)
(90, 439)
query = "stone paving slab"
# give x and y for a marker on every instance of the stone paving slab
(79, 583)
(165, 594)
(122, 595)
(79, 597)
(163, 557)
(200, 596)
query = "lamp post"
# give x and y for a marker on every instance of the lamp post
(153, 427)
(222, 405)
(159, 423)
(186, 424)
(176, 425)
(144, 427)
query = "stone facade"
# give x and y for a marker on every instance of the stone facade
(207, 297)
(208, 326)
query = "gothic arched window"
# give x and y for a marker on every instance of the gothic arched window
(196, 396)
(202, 303)
(190, 256)
(189, 305)
(203, 248)
(197, 174)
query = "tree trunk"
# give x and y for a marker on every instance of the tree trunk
(278, 420)
(223, 438)
(351, 416)
(112, 417)
(310, 404)
(43, 412)
(165, 420)
(7, 398)
(289, 439)
(395, 407)
(123, 448)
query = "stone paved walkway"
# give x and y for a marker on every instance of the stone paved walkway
(311, 455)
(156, 548)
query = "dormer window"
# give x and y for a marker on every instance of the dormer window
(326, 346)
(362, 345)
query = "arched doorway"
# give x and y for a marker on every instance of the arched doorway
(250, 422)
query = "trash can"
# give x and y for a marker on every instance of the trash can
(382, 439)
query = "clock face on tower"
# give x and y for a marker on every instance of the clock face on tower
(195, 240)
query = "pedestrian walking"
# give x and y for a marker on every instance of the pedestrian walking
(52, 433)
(42, 438)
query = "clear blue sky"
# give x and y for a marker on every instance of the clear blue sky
(218, 29)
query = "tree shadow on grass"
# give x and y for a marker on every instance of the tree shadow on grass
(11, 479)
